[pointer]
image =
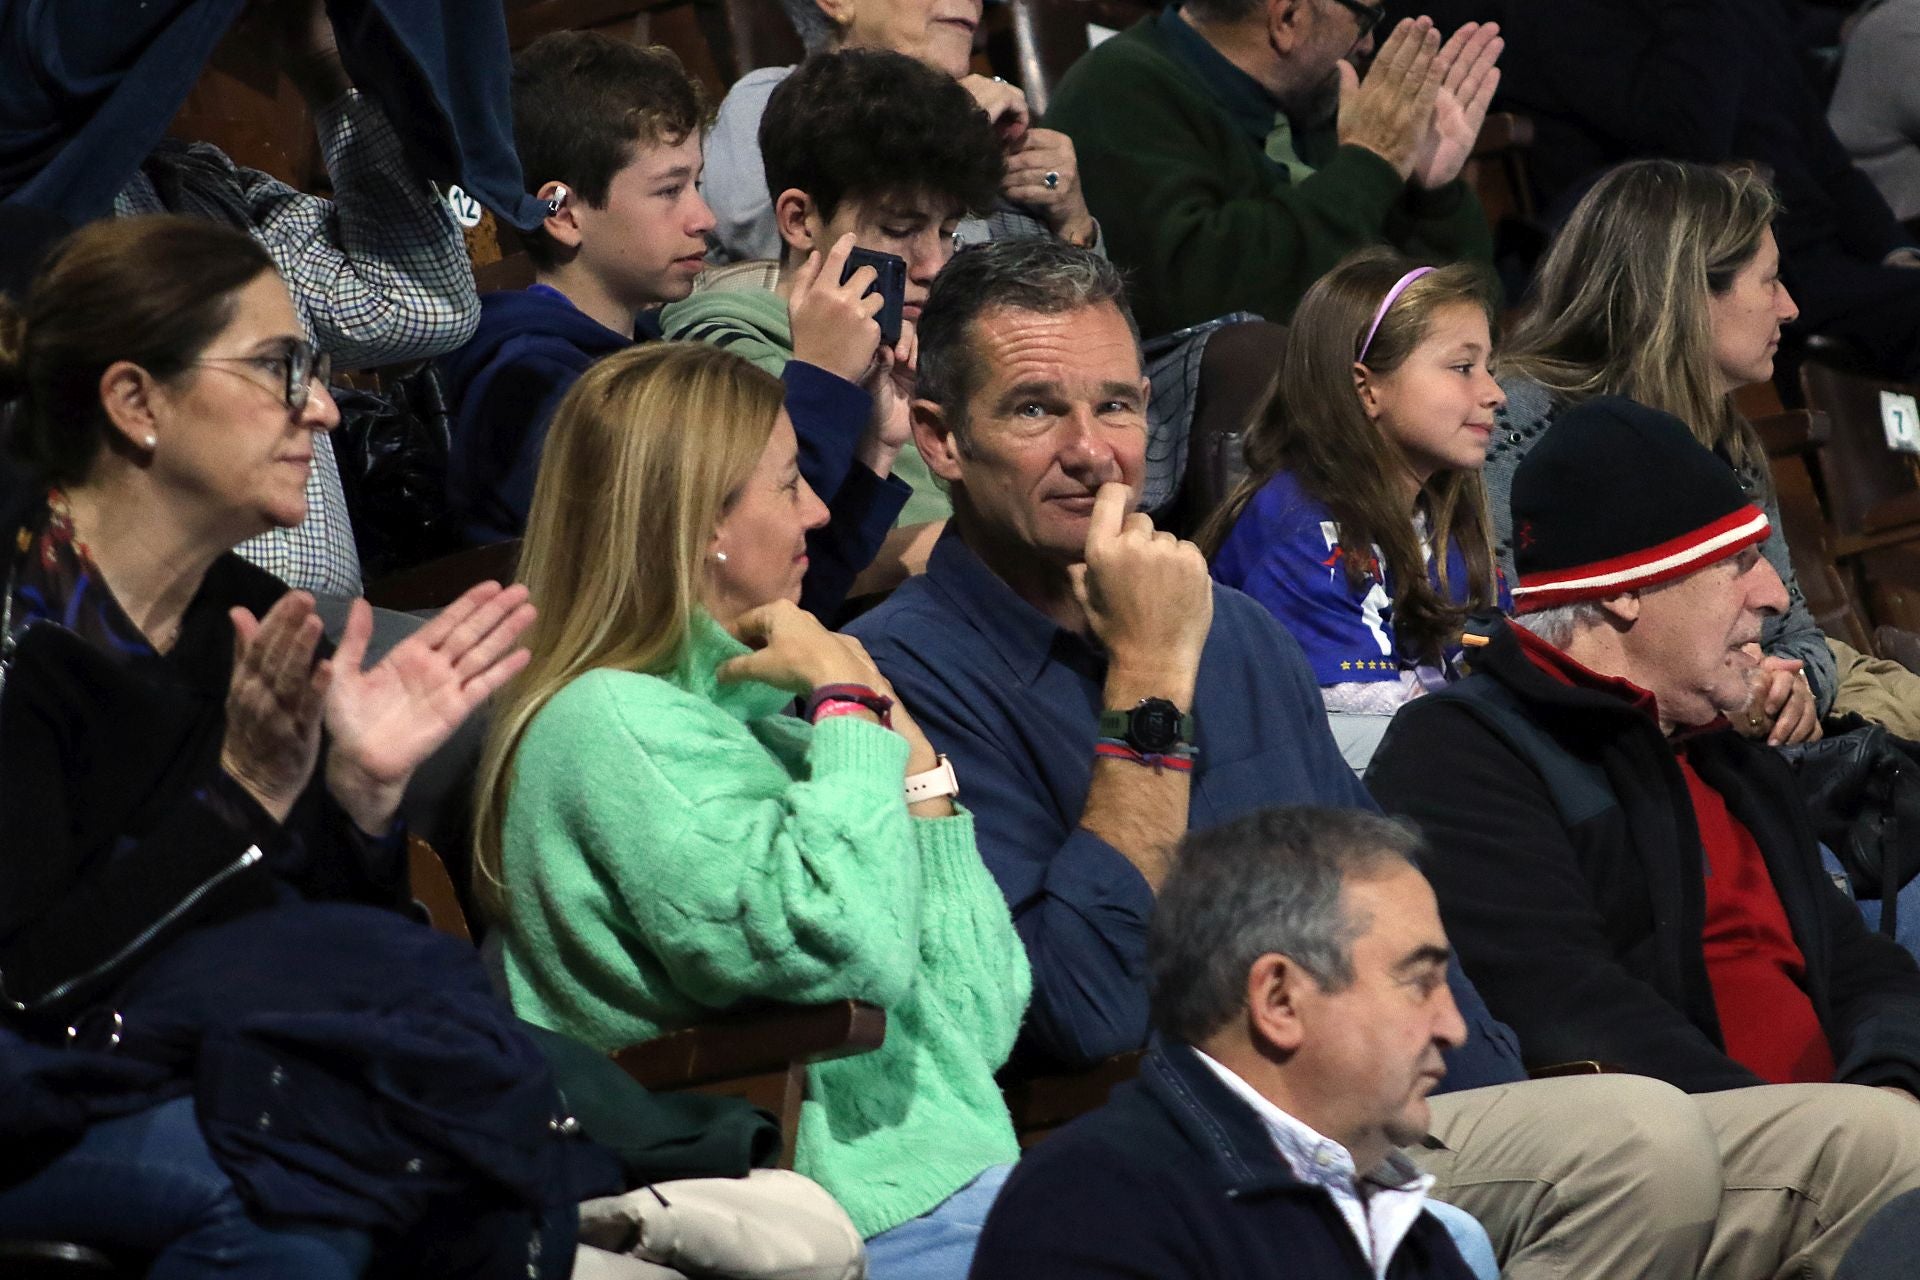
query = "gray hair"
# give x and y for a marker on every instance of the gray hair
(1560, 624)
(1033, 273)
(1265, 883)
(811, 24)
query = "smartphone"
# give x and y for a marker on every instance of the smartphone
(890, 283)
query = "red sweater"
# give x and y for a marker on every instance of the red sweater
(1752, 960)
(1753, 963)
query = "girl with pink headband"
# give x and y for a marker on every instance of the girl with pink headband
(1365, 461)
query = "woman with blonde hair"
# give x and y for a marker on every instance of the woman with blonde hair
(1664, 286)
(662, 840)
(1362, 524)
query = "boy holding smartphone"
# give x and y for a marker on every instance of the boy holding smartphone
(879, 151)
(609, 136)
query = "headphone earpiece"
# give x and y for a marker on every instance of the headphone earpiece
(558, 198)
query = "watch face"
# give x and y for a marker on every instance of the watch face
(1154, 727)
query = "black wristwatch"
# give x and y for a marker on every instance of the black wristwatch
(1153, 728)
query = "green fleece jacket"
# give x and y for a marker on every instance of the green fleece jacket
(752, 323)
(1203, 222)
(674, 847)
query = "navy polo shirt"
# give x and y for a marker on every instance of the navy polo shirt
(1014, 701)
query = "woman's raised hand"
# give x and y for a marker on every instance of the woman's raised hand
(1005, 105)
(386, 720)
(274, 702)
(792, 651)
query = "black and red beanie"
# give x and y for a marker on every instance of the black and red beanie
(1616, 497)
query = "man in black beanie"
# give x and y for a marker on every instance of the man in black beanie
(1636, 887)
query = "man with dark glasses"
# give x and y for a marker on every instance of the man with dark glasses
(1233, 153)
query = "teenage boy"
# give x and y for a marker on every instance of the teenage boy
(872, 144)
(609, 137)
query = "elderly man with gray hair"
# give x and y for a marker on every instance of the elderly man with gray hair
(1299, 976)
(1634, 884)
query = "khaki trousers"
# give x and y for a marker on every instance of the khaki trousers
(1879, 689)
(1619, 1176)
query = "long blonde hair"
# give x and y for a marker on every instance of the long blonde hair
(1620, 304)
(1316, 429)
(644, 456)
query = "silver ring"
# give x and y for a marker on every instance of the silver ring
(1052, 179)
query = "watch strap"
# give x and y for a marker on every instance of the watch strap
(933, 784)
(1114, 724)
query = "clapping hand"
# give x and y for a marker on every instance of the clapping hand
(386, 720)
(1468, 80)
(274, 703)
(1391, 111)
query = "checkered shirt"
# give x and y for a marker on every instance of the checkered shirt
(379, 275)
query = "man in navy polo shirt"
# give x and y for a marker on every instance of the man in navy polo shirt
(1098, 696)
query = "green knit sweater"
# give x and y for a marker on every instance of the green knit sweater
(1203, 222)
(753, 324)
(674, 847)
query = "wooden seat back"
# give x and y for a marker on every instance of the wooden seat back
(1497, 169)
(761, 35)
(1870, 486)
(1793, 441)
(1040, 1104)
(1872, 492)
(438, 583)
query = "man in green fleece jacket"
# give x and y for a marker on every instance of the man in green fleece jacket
(1233, 155)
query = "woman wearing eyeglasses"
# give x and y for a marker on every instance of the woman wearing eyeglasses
(220, 1041)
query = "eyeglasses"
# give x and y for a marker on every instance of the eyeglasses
(1369, 16)
(298, 366)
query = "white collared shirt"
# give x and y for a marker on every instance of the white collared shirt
(1380, 1208)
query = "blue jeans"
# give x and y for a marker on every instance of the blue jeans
(937, 1245)
(146, 1183)
(1469, 1237)
(1886, 1248)
(1909, 922)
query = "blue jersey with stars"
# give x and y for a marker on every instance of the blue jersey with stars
(1285, 552)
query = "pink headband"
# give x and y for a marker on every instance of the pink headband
(1393, 295)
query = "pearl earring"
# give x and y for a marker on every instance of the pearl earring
(721, 556)
(152, 442)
